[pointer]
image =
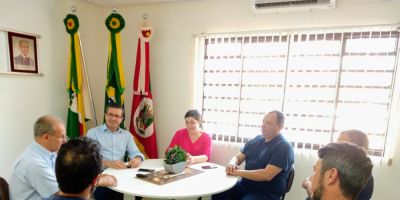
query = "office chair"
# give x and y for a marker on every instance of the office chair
(289, 182)
(4, 191)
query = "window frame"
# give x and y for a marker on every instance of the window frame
(393, 107)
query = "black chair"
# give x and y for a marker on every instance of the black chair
(289, 182)
(4, 191)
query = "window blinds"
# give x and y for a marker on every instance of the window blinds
(324, 83)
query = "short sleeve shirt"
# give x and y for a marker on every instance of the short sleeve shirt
(259, 154)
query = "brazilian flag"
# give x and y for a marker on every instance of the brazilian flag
(79, 109)
(115, 72)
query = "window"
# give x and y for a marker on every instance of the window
(324, 82)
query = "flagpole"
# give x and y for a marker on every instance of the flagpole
(73, 9)
(87, 81)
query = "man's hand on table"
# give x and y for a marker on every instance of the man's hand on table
(107, 180)
(117, 164)
(135, 162)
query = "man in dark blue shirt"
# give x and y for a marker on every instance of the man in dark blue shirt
(269, 158)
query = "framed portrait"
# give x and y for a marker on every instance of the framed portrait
(23, 53)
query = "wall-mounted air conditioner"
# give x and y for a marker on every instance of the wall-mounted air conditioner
(276, 6)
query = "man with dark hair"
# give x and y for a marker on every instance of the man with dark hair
(341, 172)
(269, 159)
(78, 167)
(115, 143)
(110, 134)
(360, 139)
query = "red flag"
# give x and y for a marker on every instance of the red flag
(142, 114)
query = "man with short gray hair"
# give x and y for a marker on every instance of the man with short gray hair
(360, 139)
(341, 172)
(33, 175)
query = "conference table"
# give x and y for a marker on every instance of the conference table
(207, 182)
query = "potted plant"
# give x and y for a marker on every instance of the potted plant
(175, 160)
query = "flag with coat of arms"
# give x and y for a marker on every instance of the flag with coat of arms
(142, 115)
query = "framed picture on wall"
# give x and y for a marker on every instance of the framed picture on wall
(23, 53)
(4, 66)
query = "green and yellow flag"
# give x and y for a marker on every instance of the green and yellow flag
(79, 109)
(115, 72)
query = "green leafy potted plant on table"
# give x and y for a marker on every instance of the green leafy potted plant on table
(175, 160)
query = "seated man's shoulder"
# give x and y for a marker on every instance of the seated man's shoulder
(255, 139)
(33, 165)
(259, 137)
(126, 132)
(58, 197)
(94, 131)
(283, 144)
(31, 157)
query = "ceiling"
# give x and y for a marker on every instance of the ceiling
(128, 2)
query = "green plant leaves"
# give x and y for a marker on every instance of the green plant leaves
(175, 155)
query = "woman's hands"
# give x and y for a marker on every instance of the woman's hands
(189, 159)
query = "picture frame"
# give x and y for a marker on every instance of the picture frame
(23, 53)
(4, 56)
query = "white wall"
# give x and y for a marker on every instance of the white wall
(23, 98)
(173, 47)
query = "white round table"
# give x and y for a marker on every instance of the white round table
(211, 181)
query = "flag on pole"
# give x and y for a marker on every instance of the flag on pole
(142, 114)
(79, 109)
(115, 72)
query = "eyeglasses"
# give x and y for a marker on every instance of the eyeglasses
(110, 115)
(60, 137)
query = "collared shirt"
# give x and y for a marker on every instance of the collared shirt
(58, 197)
(259, 154)
(33, 174)
(114, 144)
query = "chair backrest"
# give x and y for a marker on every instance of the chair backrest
(4, 191)
(289, 182)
